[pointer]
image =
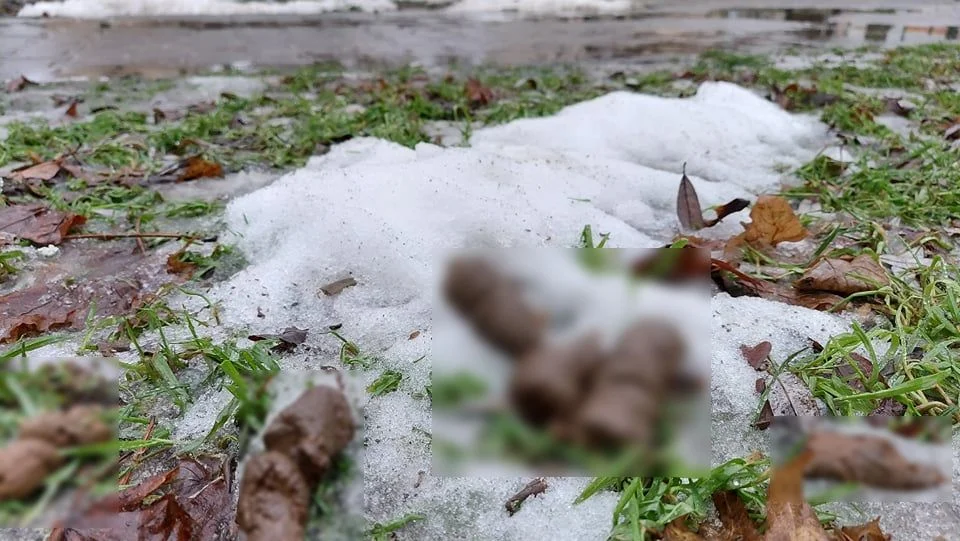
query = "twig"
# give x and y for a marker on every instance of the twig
(537, 486)
(109, 236)
(136, 228)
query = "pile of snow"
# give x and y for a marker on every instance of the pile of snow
(384, 213)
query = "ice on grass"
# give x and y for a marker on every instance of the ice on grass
(383, 214)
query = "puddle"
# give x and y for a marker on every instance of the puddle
(658, 32)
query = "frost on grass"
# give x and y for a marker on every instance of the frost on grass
(382, 213)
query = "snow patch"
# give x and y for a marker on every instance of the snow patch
(96, 9)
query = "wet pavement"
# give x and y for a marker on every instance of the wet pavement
(658, 32)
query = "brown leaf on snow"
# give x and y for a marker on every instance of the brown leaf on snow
(814, 300)
(766, 416)
(18, 84)
(334, 288)
(773, 222)
(688, 204)
(37, 223)
(952, 133)
(756, 356)
(290, 338)
(870, 460)
(196, 167)
(865, 532)
(72, 110)
(79, 425)
(477, 94)
(861, 274)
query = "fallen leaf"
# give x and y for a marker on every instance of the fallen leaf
(196, 167)
(861, 274)
(756, 356)
(176, 264)
(72, 110)
(773, 222)
(760, 385)
(194, 503)
(413, 335)
(851, 375)
(478, 94)
(814, 300)
(37, 223)
(727, 209)
(678, 531)
(794, 96)
(24, 467)
(290, 338)
(334, 288)
(42, 171)
(871, 460)
(766, 416)
(111, 277)
(18, 84)
(673, 265)
(688, 204)
(865, 532)
(735, 519)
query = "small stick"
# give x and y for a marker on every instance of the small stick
(109, 236)
(537, 486)
(143, 250)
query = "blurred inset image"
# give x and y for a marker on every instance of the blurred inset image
(58, 440)
(870, 458)
(567, 362)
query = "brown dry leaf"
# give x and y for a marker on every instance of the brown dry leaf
(18, 84)
(477, 94)
(789, 516)
(671, 265)
(79, 425)
(760, 385)
(794, 97)
(334, 288)
(773, 222)
(756, 356)
(42, 171)
(290, 338)
(176, 264)
(844, 277)
(413, 335)
(814, 300)
(196, 167)
(688, 204)
(72, 110)
(37, 223)
(870, 460)
(678, 531)
(865, 532)
(195, 504)
(850, 374)
(112, 277)
(766, 416)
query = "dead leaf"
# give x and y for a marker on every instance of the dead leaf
(110, 276)
(865, 532)
(794, 96)
(37, 223)
(334, 288)
(477, 94)
(25, 465)
(673, 265)
(814, 300)
(80, 425)
(18, 84)
(735, 519)
(773, 222)
(861, 274)
(756, 356)
(851, 375)
(871, 460)
(688, 204)
(194, 503)
(760, 385)
(42, 171)
(196, 167)
(727, 209)
(766, 416)
(413, 335)
(176, 264)
(677, 531)
(290, 338)
(72, 110)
